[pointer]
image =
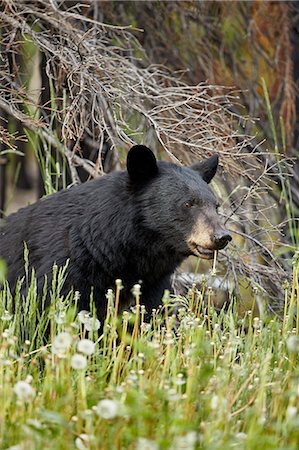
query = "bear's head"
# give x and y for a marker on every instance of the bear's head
(177, 203)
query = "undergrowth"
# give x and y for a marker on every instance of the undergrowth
(196, 379)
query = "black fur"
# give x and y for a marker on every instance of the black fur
(131, 225)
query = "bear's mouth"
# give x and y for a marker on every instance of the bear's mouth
(204, 253)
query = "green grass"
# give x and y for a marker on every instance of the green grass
(208, 381)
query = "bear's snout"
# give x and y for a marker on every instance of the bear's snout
(221, 239)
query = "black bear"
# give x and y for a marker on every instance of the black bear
(136, 224)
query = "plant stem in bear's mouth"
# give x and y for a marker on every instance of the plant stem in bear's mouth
(214, 262)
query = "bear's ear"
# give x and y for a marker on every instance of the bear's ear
(141, 163)
(207, 168)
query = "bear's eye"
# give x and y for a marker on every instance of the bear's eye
(190, 203)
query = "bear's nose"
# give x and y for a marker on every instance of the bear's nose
(221, 239)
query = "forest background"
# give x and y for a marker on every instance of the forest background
(81, 82)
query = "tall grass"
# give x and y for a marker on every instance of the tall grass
(208, 380)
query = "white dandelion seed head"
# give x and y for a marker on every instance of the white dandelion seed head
(29, 379)
(293, 344)
(6, 316)
(241, 436)
(136, 291)
(78, 362)
(83, 316)
(82, 442)
(146, 444)
(86, 346)
(214, 402)
(79, 443)
(17, 447)
(92, 324)
(61, 343)
(60, 317)
(118, 283)
(77, 295)
(291, 412)
(179, 381)
(173, 395)
(23, 390)
(108, 409)
(145, 327)
(186, 442)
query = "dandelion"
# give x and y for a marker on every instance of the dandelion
(146, 444)
(82, 442)
(17, 447)
(86, 346)
(6, 316)
(93, 324)
(83, 316)
(23, 390)
(90, 323)
(186, 442)
(79, 443)
(29, 379)
(61, 343)
(179, 381)
(214, 402)
(173, 395)
(36, 424)
(293, 344)
(60, 317)
(291, 412)
(256, 322)
(145, 327)
(118, 283)
(108, 409)
(241, 436)
(78, 362)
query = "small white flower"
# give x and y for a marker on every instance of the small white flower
(16, 447)
(145, 327)
(60, 317)
(78, 362)
(61, 343)
(23, 390)
(83, 316)
(291, 412)
(6, 316)
(241, 436)
(172, 395)
(293, 344)
(86, 346)
(92, 324)
(179, 381)
(136, 291)
(214, 402)
(80, 444)
(82, 441)
(146, 444)
(77, 296)
(34, 423)
(29, 379)
(186, 442)
(108, 409)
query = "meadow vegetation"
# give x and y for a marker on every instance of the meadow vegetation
(192, 378)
